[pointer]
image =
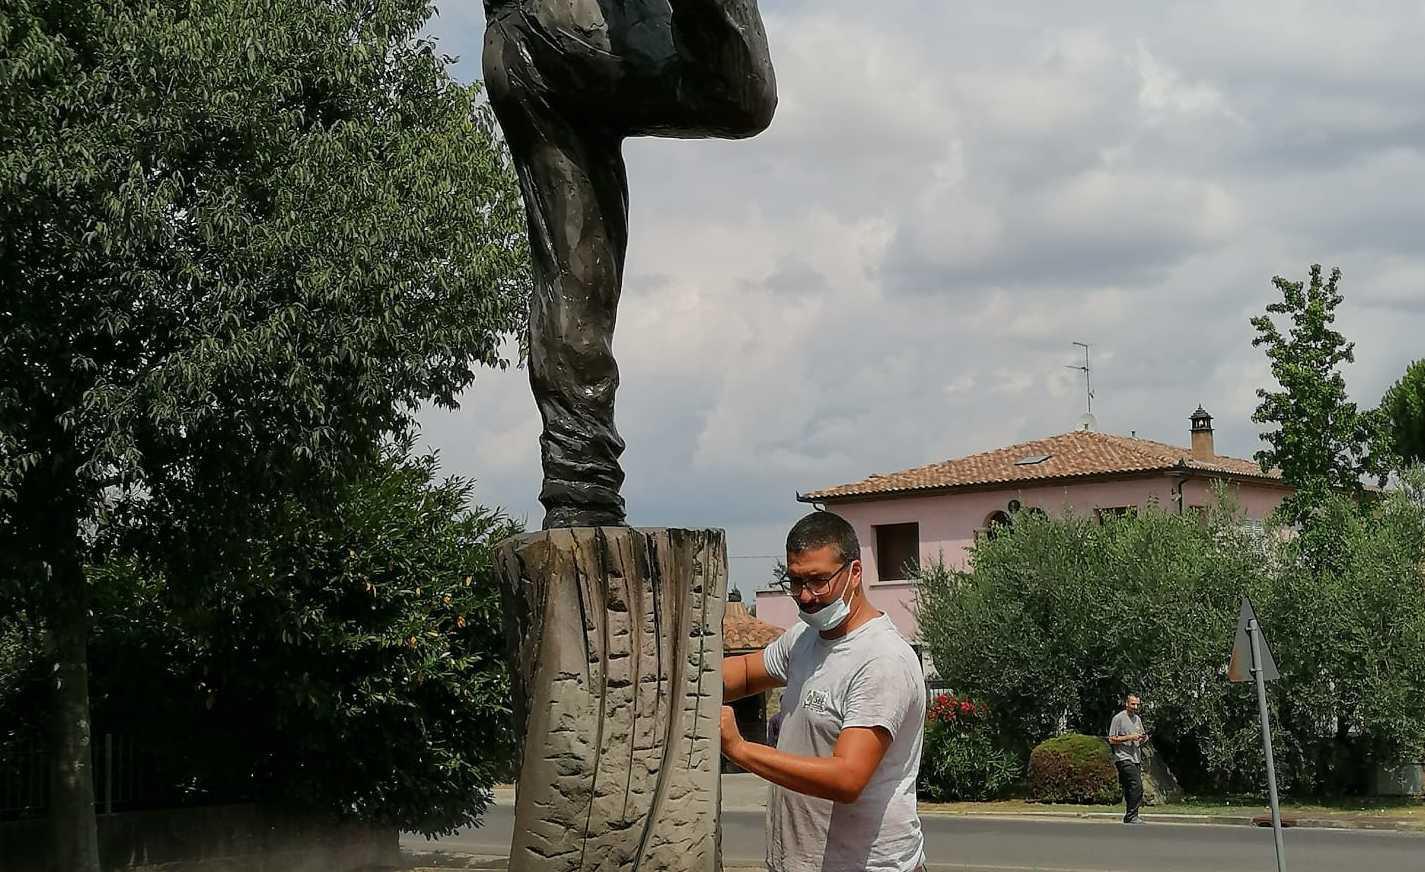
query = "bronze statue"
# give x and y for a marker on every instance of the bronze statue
(569, 81)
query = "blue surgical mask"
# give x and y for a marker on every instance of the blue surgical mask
(831, 615)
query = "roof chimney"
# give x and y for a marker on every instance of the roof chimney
(1202, 447)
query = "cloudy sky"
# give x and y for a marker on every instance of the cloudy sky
(951, 194)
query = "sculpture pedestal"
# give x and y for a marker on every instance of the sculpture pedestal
(616, 636)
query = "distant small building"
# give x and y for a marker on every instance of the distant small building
(919, 515)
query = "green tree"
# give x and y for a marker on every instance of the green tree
(779, 573)
(1059, 617)
(1350, 641)
(240, 243)
(354, 664)
(1402, 415)
(1318, 438)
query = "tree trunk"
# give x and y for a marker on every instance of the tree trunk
(616, 641)
(73, 830)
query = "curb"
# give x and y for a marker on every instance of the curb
(1193, 819)
(1198, 819)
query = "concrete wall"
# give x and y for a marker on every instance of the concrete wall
(948, 525)
(223, 838)
(948, 522)
(1257, 501)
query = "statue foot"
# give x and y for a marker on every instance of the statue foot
(574, 516)
(569, 503)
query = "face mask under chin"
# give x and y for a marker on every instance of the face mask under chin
(829, 616)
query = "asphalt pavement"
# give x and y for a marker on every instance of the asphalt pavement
(1004, 844)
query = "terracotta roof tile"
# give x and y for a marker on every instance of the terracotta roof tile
(742, 632)
(1067, 456)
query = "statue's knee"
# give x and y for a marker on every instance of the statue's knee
(761, 105)
(744, 109)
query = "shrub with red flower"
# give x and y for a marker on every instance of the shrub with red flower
(946, 708)
(962, 759)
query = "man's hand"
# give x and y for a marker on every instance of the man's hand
(731, 736)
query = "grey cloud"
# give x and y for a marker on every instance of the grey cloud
(951, 194)
(792, 276)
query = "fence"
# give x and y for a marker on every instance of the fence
(126, 776)
(24, 781)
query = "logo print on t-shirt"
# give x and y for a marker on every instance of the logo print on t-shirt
(816, 701)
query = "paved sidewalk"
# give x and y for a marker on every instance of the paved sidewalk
(1015, 842)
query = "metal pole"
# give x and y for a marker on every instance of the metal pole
(1252, 630)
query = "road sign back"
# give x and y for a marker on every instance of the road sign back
(1240, 668)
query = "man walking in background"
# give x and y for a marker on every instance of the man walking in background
(1126, 736)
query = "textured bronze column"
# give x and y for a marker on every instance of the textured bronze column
(617, 642)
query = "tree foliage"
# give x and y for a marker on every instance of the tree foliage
(1402, 416)
(1059, 617)
(240, 244)
(354, 664)
(1319, 440)
(1353, 633)
(779, 573)
(241, 241)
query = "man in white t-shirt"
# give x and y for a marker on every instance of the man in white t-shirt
(844, 770)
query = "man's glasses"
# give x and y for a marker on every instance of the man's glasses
(818, 585)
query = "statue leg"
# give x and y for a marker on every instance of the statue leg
(576, 196)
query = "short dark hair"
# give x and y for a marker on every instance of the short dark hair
(1132, 693)
(820, 529)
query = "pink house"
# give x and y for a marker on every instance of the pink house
(919, 515)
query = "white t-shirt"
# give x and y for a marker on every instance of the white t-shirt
(868, 678)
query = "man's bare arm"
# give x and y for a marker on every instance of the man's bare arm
(746, 676)
(839, 778)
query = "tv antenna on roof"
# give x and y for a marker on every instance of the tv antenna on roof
(1087, 422)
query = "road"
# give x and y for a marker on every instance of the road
(1019, 845)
